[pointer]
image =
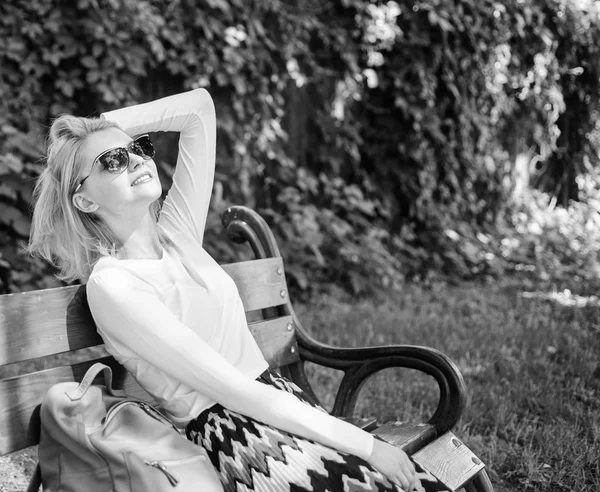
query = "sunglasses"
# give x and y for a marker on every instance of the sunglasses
(116, 160)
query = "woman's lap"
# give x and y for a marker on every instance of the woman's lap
(250, 455)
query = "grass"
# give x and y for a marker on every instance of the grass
(530, 363)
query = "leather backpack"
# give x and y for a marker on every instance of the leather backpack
(94, 439)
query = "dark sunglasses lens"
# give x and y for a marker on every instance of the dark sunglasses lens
(115, 161)
(143, 147)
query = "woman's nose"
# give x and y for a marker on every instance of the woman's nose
(134, 161)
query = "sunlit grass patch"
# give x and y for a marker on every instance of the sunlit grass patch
(530, 363)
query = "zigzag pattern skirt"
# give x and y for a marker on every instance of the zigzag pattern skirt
(251, 456)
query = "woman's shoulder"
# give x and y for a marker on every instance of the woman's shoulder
(106, 273)
(115, 275)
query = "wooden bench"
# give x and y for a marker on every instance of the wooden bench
(37, 326)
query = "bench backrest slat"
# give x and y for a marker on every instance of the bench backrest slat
(276, 339)
(261, 283)
(46, 322)
(19, 396)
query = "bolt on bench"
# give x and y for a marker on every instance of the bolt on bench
(44, 323)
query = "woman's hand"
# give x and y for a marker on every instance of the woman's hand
(394, 464)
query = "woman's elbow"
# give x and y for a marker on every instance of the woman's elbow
(204, 106)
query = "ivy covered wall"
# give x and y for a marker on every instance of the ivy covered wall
(379, 139)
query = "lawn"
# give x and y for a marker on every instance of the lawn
(530, 361)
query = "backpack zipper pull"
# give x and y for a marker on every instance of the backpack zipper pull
(156, 415)
(159, 465)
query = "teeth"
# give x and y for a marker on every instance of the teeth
(144, 177)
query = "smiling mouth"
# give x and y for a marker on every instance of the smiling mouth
(142, 179)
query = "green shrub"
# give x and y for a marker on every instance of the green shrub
(378, 138)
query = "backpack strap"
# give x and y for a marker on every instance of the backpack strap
(36, 480)
(88, 379)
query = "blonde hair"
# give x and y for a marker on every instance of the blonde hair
(68, 238)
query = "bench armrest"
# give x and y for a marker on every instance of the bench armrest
(243, 224)
(359, 364)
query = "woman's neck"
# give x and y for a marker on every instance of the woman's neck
(138, 240)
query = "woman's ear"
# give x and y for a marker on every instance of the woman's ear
(82, 203)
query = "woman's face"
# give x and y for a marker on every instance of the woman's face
(131, 191)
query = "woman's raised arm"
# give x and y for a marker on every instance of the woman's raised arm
(192, 114)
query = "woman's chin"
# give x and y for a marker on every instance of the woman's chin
(148, 191)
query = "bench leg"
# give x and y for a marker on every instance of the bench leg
(480, 483)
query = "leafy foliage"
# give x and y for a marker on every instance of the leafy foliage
(377, 137)
(561, 246)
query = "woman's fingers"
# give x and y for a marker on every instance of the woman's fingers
(394, 464)
(411, 482)
(408, 470)
(405, 477)
(402, 482)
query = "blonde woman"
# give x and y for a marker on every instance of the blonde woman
(173, 317)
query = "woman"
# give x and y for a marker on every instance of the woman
(173, 317)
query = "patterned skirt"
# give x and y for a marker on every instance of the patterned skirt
(251, 456)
